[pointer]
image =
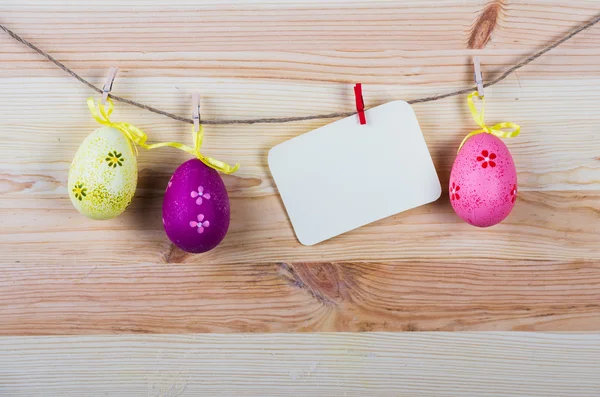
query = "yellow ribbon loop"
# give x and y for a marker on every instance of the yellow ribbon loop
(209, 161)
(136, 136)
(497, 130)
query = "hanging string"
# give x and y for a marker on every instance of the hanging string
(137, 137)
(273, 120)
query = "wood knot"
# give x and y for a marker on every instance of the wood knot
(482, 29)
(174, 255)
(326, 282)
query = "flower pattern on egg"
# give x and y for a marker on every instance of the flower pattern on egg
(114, 158)
(513, 193)
(486, 159)
(80, 191)
(200, 224)
(199, 195)
(454, 192)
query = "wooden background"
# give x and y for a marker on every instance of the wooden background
(423, 270)
(316, 365)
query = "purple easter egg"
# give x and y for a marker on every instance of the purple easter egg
(196, 207)
(483, 181)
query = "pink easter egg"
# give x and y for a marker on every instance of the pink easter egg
(483, 181)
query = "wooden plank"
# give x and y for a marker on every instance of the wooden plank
(544, 226)
(115, 26)
(387, 365)
(297, 297)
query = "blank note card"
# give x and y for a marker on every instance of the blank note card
(345, 175)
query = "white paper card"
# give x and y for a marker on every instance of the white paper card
(345, 175)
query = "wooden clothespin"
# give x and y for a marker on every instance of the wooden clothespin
(196, 111)
(478, 76)
(112, 73)
(360, 103)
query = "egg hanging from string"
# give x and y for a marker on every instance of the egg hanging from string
(196, 210)
(103, 174)
(483, 181)
(196, 207)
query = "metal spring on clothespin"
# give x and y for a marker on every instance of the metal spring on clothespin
(478, 77)
(196, 111)
(198, 131)
(112, 73)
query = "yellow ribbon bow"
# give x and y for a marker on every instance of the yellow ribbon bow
(136, 136)
(496, 130)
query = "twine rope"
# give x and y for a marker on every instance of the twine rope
(275, 120)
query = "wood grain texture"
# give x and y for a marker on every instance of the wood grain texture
(301, 297)
(425, 269)
(336, 365)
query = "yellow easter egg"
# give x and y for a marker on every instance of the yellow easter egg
(103, 175)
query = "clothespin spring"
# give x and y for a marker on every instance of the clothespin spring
(478, 77)
(196, 111)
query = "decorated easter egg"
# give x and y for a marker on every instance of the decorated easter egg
(196, 207)
(483, 181)
(103, 174)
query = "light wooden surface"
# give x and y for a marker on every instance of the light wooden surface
(421, 270)
(375, 364)
(62, 274)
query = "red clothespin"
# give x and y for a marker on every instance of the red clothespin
(360, 103)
